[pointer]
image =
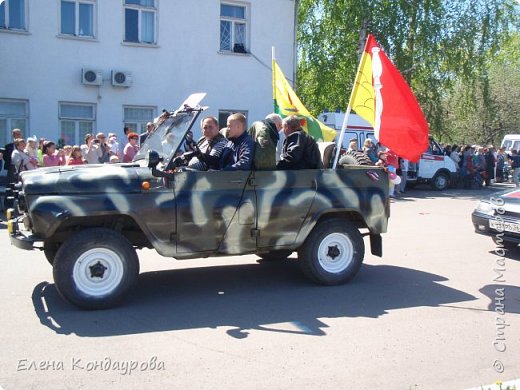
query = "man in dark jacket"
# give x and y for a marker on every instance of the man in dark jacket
(238, 152)
(300, 150)
(9, 148)
(208, 149)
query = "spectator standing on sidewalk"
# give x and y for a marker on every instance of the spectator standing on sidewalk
(51, 157)
(404, 163)
(500, 165)
(490, 165)
(515, 162)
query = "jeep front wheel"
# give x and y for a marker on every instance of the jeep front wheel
(95, 268)
(333, 253)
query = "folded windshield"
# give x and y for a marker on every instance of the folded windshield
(167, 135)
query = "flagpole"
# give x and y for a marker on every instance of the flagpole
(349, 109)
(273, 60)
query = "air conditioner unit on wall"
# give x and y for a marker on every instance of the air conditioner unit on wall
(121, 78)
(91, 77)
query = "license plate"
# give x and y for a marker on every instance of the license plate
(504, 226)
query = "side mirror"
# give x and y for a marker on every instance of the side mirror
(153, 159)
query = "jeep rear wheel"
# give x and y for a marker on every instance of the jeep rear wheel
(95, 268)
(333, 253)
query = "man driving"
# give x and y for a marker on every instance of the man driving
(209, 148)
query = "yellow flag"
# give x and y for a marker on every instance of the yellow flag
(287, 103)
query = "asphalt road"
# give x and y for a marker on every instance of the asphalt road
(422, 317)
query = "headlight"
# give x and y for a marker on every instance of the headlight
(485, 208)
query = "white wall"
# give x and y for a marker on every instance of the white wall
(44, 69)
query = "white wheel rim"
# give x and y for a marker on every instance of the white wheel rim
(98, 272)
(335, 253)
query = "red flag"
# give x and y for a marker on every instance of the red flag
(382, 97)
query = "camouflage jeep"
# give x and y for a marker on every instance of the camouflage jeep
(89, 220)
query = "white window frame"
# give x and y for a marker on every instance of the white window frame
(246, 21)
(141, 124)
(140, 9)
(25, 22)
(76, 16)
(78, 137)
(10, 118)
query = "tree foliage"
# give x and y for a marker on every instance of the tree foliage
(443, 48)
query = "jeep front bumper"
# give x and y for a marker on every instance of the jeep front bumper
(18, 239)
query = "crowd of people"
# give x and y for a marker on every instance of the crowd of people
(32, 153)
(483, 165)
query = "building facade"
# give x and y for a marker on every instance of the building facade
(72, 67)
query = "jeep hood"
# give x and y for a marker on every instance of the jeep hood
(84, 179)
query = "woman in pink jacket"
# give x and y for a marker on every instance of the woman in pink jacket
(52, 158)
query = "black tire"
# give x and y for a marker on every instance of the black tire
(339, 239)
(278, 255)
(50, 249)
(440, 181)
(353, 157)
(95, 268)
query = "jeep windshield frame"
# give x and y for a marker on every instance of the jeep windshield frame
(169, 134)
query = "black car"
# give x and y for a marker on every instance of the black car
(498, 216)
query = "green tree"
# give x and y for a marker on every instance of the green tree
(483, 112)
(436, 44)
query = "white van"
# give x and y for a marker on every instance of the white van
(433, 168)
(511, 142)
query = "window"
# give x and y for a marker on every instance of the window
(136, 118)
(223, 115)
(76, 120)
(14, 114)
(77, 18)
(12, 15)
(233, 28)
(140, 21)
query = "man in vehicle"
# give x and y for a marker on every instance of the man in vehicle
(300, 150)
(210, 147)
(277, 119)
(238, 152)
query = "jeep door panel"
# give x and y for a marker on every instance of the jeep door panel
(215, 212)
(283, 201)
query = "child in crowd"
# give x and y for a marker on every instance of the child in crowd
(75, 157)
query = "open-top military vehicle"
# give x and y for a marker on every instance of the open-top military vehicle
(89, 220)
